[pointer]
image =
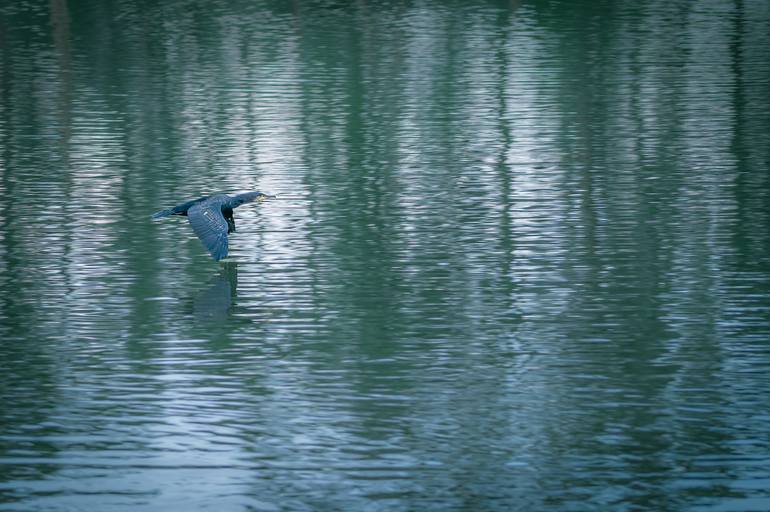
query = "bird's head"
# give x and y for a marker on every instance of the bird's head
(250, 197)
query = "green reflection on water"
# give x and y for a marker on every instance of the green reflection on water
(519, 260)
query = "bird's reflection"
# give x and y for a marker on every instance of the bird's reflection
(213, 303)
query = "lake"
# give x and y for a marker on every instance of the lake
(519, 257)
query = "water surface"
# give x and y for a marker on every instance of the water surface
(520, 258)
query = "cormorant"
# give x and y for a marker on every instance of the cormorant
(211, 217)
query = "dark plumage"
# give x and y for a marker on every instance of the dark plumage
(211, 217)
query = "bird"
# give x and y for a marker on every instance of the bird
(211, 217)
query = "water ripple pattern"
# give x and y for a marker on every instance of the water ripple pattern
(519, 258)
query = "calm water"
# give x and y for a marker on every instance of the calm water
(520, 258)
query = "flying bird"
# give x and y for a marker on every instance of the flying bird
(211, 217)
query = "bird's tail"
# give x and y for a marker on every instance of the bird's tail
(163, 213)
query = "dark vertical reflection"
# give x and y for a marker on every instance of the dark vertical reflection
(214, 302)
(751, 183)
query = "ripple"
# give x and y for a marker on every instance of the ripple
(518, 260)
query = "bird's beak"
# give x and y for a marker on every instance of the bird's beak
(265, 196)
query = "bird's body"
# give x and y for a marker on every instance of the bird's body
(211, 218)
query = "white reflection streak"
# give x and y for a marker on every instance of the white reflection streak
(95, 151)
(269, 153)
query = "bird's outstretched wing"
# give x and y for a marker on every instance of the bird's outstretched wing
(211, 227)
